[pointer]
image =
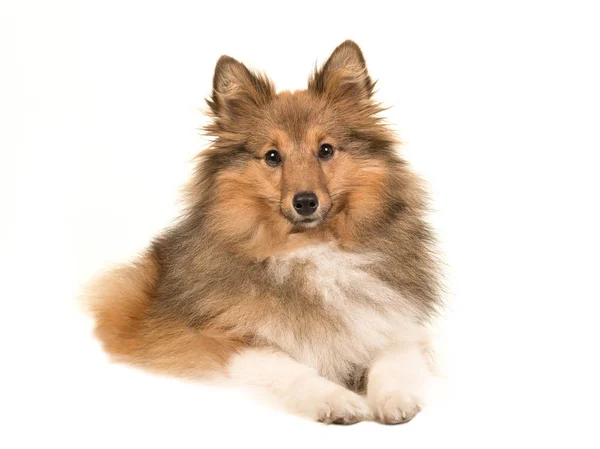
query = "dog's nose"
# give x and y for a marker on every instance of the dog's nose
(305, 203)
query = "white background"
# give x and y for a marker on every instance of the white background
(498, 105)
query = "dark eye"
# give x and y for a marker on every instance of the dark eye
(325, 151)
(273, 158)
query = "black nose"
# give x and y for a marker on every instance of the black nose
(305, 203)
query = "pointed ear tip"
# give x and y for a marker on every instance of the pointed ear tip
(225, 60)
(349, 50)
(223, 70)
(350, 44)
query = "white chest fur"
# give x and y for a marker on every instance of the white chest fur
(374, 315)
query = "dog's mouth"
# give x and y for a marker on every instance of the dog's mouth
(302, 223)
(307, 223)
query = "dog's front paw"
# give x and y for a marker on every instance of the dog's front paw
(394, 407)
(341, 406)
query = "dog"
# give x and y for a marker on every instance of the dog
(303, 264)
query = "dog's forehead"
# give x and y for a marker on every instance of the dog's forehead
(299, 115)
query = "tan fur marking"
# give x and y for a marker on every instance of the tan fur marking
(120, 301)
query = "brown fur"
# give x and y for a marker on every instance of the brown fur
(121, 302)
(203, 288)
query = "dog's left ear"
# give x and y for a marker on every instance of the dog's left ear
(344, 76)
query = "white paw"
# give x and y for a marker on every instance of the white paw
(341, 406)
(394, 407)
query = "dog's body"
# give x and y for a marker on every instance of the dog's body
(302, 265)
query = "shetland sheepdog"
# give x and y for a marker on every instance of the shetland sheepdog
(302, 265)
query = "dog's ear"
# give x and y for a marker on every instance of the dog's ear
(235, 88)
(344, 76)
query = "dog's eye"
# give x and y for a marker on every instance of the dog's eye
(273, 158)
(325, 151)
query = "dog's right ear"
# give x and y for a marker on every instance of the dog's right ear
(236, 89)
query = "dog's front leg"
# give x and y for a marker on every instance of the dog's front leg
(298, 387)
(396, 381)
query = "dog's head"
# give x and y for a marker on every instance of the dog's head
(310, 162)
